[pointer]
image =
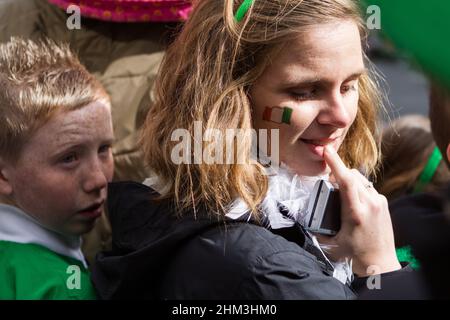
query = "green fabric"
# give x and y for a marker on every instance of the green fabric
(420, 29)
(429, 170)
(404, 254)
(32, 272)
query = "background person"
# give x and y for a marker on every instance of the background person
(411, 161)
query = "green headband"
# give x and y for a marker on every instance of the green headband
(242, 10)
(429, 170)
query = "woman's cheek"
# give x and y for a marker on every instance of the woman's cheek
(354, 105)
(302, 118)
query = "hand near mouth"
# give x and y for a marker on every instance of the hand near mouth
(366, 233)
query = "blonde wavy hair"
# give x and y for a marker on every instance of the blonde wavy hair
(206, 75)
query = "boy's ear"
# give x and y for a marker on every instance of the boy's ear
(5, 185)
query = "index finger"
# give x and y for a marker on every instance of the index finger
(347, 184)
(338, 168)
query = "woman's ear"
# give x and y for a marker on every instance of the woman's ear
(5, 185)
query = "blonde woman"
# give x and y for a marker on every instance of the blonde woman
(235, 230)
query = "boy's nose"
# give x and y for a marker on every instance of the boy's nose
(96, 177)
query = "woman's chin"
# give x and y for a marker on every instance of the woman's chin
(314, 168)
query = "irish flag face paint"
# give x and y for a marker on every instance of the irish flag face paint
(278, 114)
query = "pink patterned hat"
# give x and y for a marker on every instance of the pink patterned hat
(131, 10)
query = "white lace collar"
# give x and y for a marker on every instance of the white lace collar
(293, 192)
(289, 189)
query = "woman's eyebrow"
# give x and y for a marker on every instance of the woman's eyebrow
(302, 82)
(356, 75)
(311, 81)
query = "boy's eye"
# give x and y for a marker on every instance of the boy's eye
(104, 148)
(70, 158)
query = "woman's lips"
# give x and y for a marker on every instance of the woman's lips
(317, 147)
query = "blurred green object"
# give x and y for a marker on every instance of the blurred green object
(419, 29)
(404, 254)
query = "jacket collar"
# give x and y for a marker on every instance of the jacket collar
(17, 226)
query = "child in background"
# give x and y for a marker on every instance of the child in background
(55, 164)
(411, 161)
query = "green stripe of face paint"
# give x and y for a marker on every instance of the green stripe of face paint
(287, 113)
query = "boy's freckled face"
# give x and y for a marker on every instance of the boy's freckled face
(62, 174)
(310, 93)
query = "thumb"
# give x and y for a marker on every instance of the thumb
(331, 178)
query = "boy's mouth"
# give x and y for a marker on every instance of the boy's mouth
(93, 211)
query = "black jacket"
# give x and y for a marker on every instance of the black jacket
(159, 256)
(420, 221)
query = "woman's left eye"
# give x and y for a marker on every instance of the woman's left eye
(349, 87)
(304, 95)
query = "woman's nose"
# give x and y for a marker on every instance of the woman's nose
(335, 112)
